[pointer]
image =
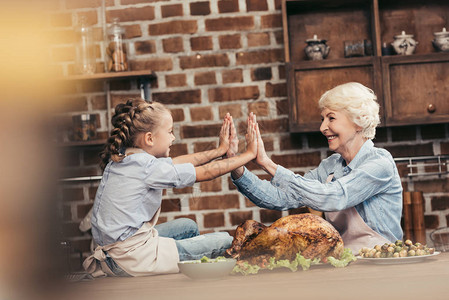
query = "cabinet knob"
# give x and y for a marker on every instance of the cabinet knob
(431, 108)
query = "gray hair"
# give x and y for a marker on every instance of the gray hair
(358, 102)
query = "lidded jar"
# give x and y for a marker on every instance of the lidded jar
(404, 44)
(116, 50)
(441, 41)
(316, 49)
(84, 48)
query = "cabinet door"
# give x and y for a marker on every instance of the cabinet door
(416, 89)
(306, 84)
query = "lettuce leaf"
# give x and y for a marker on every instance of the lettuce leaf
(245, 268)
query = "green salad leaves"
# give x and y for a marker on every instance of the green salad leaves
(245, 268)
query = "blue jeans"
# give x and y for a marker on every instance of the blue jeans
(192, 245)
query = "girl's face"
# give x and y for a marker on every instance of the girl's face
(342, 134)
(163, 137)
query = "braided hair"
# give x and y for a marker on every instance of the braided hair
(130, 118)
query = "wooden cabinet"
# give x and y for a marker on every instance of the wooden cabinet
(411, 89)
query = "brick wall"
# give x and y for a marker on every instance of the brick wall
(210, 57)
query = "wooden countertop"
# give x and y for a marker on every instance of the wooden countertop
(360, 280)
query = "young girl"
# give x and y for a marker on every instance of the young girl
(137, 168)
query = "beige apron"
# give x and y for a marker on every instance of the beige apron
(353, 229)
(144, 253)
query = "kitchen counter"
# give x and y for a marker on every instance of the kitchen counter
(428, 279)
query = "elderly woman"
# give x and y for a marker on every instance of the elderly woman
(358, 187)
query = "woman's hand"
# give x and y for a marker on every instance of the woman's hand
(251, 135)
(262, 158)
(225, 135)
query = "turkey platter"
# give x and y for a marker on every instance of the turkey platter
(308, 234)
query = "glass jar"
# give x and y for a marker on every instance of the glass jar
(116, 50)
(85, 49)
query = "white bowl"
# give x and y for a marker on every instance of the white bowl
(196, 269)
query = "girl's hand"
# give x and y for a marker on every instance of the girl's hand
(233, 140)
(225, 135)
(251, 135)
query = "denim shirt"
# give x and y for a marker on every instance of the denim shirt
(130, 193)
(370, 183)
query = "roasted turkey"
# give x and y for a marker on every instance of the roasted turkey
(310, 234)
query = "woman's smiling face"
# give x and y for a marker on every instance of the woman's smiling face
(342, 134)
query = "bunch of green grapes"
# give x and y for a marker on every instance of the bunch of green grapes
(397, 249)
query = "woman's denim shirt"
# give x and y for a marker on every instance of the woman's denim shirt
(370, 183)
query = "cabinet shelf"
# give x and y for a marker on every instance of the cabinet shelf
(110, 76)
(410, 89)
(91, 143)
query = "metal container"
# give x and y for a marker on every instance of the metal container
(440, 238)
(84, 127)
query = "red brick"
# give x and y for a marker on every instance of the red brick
(202, 61)
(203, 78)
(298, 160)
(132, 31)
(403, 133)
(186, 190)
(171, 205)
(191, 131)
(214, 202)
(433, 131)
(269, 216)
(228, 6)
(234, 109)
(67, 213)
(162, 219)
(145, 47)
(127, 2)
(178, 149)
(130, 14)
(72, 194)
(233, 93)
(191, 216)
(92, 192)
(258, 39)
(444, 146)
(231, 186)
(201, 8)
(71, 230)
(201, 43)
(173, 27)
(282, 107)
(259, 108)
(173, 45)
(275, 90)
(213, 220)
(174, 80)
(172, 10)
(248, 203)
(204, 146)
(177, 114)
(281, 70)
(230, 24)
(230, 41)
(273, 126)
(297, 211)
(439, 203)
(279, 37)
(260, 57)
(201, 113)
(153, 64)
(82, 210)
(406, 150)
(256, 5)
(82, 245)
(213, 185)
(179, 97)
(430, 186)
(231, 76)
(85, 4)
(431, 222)
(99, 102)
(271, 21)
(239, 217)
(261, 74)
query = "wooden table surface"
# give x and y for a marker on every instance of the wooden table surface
(360, 280)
